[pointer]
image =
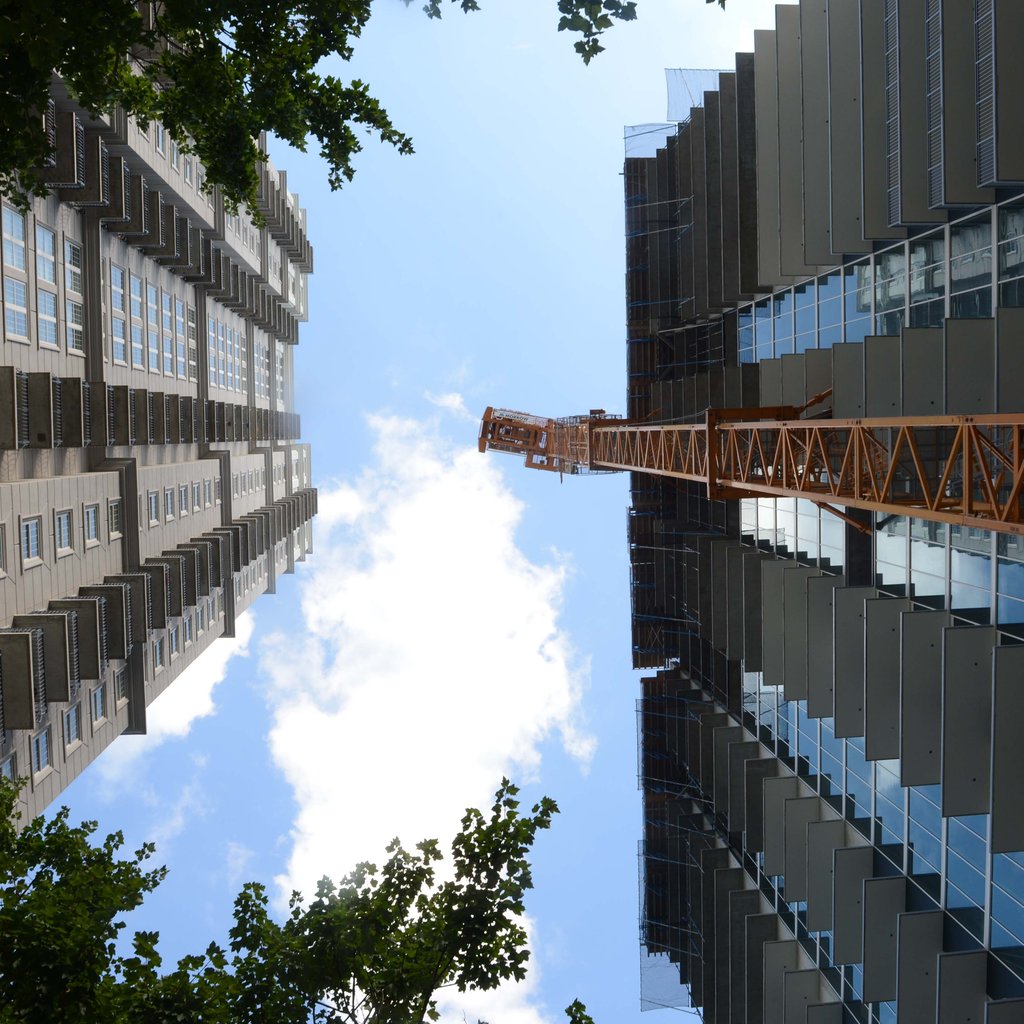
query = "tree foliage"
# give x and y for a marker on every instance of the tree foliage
(216, 73)
(371, 949)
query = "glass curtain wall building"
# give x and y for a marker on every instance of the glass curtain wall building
(833, 830)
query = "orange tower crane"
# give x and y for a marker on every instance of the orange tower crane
(951, 469)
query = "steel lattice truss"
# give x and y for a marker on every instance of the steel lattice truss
(954, 469)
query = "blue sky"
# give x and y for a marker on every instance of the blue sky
(460, 618)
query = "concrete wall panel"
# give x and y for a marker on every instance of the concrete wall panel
(882, 618)
(919, 943)
(848, 654)
(967, 719)
(820, 667)
(921, 697)
(851, 866)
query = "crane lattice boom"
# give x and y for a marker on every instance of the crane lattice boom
(954, 469)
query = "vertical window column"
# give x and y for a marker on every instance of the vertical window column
(74, 308)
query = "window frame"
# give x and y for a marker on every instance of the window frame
(72, 727)
(98, 693)
(115, 510)
(27, 523)
(91, 511)
(63, 529)
(153, 507)
(11, 241)
(40, 743)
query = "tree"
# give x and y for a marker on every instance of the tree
(372, 949)
(216, 73)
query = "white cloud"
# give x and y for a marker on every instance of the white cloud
(432, 661)
(237, 859)
(172, 714)
(451, 401)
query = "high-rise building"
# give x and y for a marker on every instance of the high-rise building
(151, 479)
(831, 755)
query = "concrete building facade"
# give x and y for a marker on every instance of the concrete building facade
(152, 483)
(830, 741)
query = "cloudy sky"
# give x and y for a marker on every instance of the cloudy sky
(460, 618)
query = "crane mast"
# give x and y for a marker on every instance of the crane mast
(953, 469)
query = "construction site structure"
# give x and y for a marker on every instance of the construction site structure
(953, 469)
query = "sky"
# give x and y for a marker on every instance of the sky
(460, 619)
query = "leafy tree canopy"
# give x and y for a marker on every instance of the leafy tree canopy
(372, 949)
(216, 73)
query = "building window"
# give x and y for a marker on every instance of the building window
(161, 138)
(216, 489)
(31, 540)
(74, 313)
(41, 751)
(188, 629)
(3, 549)
(91, 524)
(135, 285)
(121, 685)
(98, 704)
(175, 155)
(153, 500)
(158, 653)
(179, 336)
(46, 255)
(193, 345)
(72, 726)
(9, 768)
(234, 485)
(200, 619)
(72, 266)
(14, 239)
(138, 346)
(153, 320)
(168, 335)
(119, 342)
(46, 318)
(197, 501)
(207, 493)
(183, 500)
(168, 503)
(173, 641)
(62, 532)
(188, 169)
(117, 289)
(15, 308)
(114, 521)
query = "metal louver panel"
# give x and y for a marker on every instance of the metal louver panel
(21, 402)
(86, 413)
(111, 416)
(138, 586)
(189, 573)
(118, 616)
(933, 100)
(892, 110)
(23, 681)
(50, 128)
(58, 413)
(59, 630)
(220, 560)
(202, 553)
(985, 89)
(158, 574)
(88, 612)
(175, 582)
